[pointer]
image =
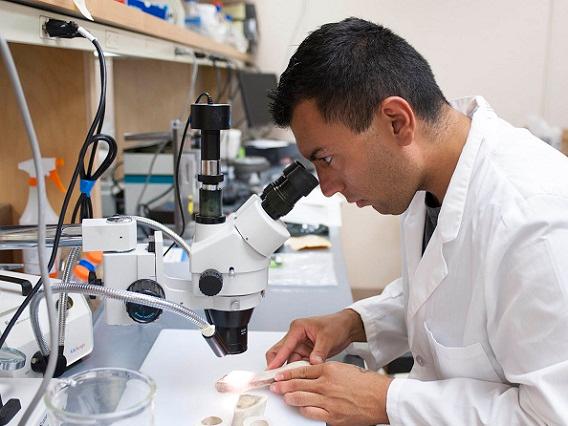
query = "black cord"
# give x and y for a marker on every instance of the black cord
(209, 98)
(178, 161)
(96, 125)
(145, 207)
(84, 204)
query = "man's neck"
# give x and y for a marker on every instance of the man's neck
(443, 150)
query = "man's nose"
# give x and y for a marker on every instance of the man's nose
(329, 186)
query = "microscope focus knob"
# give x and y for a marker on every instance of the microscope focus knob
(210, 282)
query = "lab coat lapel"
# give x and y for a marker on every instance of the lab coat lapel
(432, 268)
(412, 231)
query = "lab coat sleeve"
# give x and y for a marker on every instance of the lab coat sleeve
(383, 317)
(527, 323)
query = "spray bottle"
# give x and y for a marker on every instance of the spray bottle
(30, 214)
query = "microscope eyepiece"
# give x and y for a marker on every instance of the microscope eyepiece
(279, 197)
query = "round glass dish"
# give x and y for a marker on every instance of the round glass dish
(102, 396)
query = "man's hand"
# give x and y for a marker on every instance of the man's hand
(339, 394)
(317, 338)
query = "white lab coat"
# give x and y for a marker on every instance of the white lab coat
(485, 310)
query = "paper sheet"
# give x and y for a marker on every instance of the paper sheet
(311, 268)
(82, 6)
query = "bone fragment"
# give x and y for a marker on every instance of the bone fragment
(212, 421)
(241, 381)
(248, 405)
(256, 421)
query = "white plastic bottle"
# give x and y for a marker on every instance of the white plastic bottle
(192, 18)
(220, 28)
(30, 214)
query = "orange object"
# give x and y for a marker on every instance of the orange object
(81, 272)
(95, 257)
(54, 176)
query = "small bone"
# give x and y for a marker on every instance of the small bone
(241, 381)
(248, 405)
(256, 421)
(247, 401)
(212, 421)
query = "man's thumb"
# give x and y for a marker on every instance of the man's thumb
(319, 353)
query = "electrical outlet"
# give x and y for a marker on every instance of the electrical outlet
(42, 32)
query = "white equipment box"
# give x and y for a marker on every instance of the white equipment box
(78, 331)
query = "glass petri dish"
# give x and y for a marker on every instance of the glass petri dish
(102, 396)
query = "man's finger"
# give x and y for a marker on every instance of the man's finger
(306, 372)
(283, 352)
(303, 399)
(315, 413)
(321, 350)
(296, 357)
(296, 385)
(302, 351)
(271, 353)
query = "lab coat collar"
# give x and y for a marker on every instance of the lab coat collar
(427, 271)
(452, 211)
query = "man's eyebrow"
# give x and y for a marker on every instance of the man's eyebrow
(313, 155)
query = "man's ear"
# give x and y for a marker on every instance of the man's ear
(400, 115)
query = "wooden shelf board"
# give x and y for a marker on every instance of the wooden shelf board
(111, 12)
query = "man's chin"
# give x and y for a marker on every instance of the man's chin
(387, 210)
(382, 209)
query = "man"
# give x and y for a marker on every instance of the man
(482, 303)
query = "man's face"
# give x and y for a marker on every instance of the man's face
(368, 168)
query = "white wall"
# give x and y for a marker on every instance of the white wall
(556, 82)
(513, 52)
(371, 247)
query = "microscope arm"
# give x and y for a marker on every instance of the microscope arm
(227, 274)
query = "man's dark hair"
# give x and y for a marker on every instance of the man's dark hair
(349, 68)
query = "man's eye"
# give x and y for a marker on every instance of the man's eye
(326, 160)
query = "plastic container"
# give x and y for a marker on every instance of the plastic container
(221, 28)
(161, 11)
(207, 18)
(192, 18)
(102, 396)
(30, 213)
(235, 36)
